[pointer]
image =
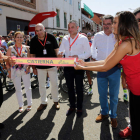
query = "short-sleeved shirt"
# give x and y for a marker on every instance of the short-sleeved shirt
(37, 48)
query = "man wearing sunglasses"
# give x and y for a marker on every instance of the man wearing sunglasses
(128, 130)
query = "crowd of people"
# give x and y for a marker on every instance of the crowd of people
(113, 53)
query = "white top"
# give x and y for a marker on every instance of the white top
(80, 47)
(19, 69)
(104, 45)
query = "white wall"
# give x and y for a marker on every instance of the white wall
(43, 7)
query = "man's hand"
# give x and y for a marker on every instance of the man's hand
(60, 55)
(77, 66)
(75, 56)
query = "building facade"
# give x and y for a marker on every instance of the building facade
(16, 14)
(66, 10)
(97, 19)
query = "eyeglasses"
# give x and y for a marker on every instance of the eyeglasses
(138, 20)
(108, 24)
(19, 37)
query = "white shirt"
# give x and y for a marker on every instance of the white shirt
(80, 47)
(4, 44)
(104, 45)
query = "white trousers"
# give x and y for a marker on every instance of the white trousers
(42, 74)
(27, 84)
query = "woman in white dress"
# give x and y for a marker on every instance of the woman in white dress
(20, 71)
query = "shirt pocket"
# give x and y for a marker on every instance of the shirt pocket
(78, 46)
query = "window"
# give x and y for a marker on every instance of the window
(57, 18)
(79, 23)
(70, 1)
(31, 1)
(70, 17)
(65, 20)
(79, 6)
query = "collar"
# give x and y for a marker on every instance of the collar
(74, 37)
(108, 35)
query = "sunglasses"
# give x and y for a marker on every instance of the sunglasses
(138, 20)
(108, 24)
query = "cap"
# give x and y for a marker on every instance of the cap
(54, 32)
(88, 34)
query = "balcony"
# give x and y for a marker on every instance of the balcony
(87, 24)
(86, 19)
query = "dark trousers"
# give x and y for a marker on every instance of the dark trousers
(1, 94)
(72, 75)
(134, 115)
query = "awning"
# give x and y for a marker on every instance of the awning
(87, 9)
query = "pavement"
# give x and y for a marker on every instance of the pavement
(52, 124)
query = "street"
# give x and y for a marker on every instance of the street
(51, 124)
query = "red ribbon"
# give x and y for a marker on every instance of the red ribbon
(44, 41)
(73, 41)
(19, 54)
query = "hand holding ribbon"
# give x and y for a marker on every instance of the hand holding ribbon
(77, 66)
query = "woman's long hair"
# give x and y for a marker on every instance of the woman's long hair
(128, 27)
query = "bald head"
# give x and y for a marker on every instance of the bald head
(40, 25)
(40, 30)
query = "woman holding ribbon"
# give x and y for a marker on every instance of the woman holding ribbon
(127, 53)
(20, 71)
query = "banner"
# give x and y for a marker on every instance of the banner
(69, 62)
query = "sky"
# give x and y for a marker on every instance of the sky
(111, 6)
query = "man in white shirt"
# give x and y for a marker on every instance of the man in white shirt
(4, 43)
(77, 46)
(104, 41)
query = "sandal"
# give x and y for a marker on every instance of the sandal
(29, 108)
(20, 109)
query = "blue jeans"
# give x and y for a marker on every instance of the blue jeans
(111, 77)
